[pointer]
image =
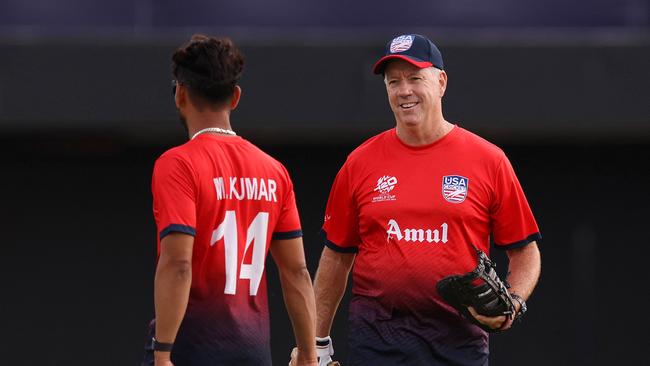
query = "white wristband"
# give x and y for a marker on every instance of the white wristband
(324, 350)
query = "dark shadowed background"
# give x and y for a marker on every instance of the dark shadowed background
(86, 108)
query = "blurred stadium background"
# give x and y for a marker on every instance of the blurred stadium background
(85, 109)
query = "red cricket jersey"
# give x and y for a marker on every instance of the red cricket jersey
(413, 213)
(233, 198)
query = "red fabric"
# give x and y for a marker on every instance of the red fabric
(400, 234)
(194, 186)
(380, 64)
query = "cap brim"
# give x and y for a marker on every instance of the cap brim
(381, 64)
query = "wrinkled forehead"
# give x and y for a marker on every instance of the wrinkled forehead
(399, 67)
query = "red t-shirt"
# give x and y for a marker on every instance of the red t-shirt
(413, 213)
(233, 198)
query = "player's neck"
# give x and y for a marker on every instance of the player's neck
(424, 134)
(212, 119)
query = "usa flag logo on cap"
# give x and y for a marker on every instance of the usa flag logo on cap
(454, 188)
(401, 44)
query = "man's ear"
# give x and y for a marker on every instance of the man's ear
(236, 96)
(442, 81)
(180, 98)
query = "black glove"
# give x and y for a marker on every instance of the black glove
(481, 289)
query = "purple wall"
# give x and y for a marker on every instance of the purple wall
(63, 14)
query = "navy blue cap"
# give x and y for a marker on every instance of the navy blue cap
(414, 48)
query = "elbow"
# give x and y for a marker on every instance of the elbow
(299, 272)
(180, 268)
(183, 269)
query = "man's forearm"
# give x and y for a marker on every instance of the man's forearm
(524, 269)
(299, 299)
(329, 287)
(171, 293)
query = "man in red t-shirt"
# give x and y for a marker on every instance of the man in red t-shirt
(406, 208)
(220, 205)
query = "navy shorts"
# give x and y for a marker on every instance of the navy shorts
(188, 352)
(378, 337)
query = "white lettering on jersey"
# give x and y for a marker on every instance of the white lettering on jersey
(251, 188)
(221, 188)
(233, 189)
(272, 189)
(417, 235)
(247, 188)
(263, 190)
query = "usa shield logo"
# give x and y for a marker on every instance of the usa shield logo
(401, 44)
(455, 188)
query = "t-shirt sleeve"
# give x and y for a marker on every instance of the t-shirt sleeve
(174, 195)
(288, 225)
(341, 226)
(513, 223)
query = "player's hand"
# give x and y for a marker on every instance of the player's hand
(296, 359)
(501, 322)
(162, 359)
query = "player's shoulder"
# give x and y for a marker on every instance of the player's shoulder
(182, 155)
(369, 148)
(176, 152)
(265, 157)
(257, 159)
(175, 155)
(172, 162)
(478, 144)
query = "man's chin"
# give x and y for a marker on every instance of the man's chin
(409, 122)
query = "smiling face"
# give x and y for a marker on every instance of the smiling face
(415, 94)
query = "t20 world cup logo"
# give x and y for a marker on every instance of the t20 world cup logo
(385, 184)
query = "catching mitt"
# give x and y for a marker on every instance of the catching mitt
(481, 289)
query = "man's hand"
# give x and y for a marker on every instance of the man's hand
(501, 322)
(162, 359)
(524, 268)
(480, 291)
(495, 322)
(298, 360)
(324, 351)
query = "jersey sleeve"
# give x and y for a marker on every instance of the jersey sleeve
(174, 195)
(341, 226)
(288, 225)
(513, 223)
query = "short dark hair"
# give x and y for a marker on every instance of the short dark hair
(209, 67)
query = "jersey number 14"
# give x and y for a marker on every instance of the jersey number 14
(256, 234)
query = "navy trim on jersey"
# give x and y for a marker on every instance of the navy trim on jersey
(335, 247)
(521, 243)
(177, 228)
(284, 235)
